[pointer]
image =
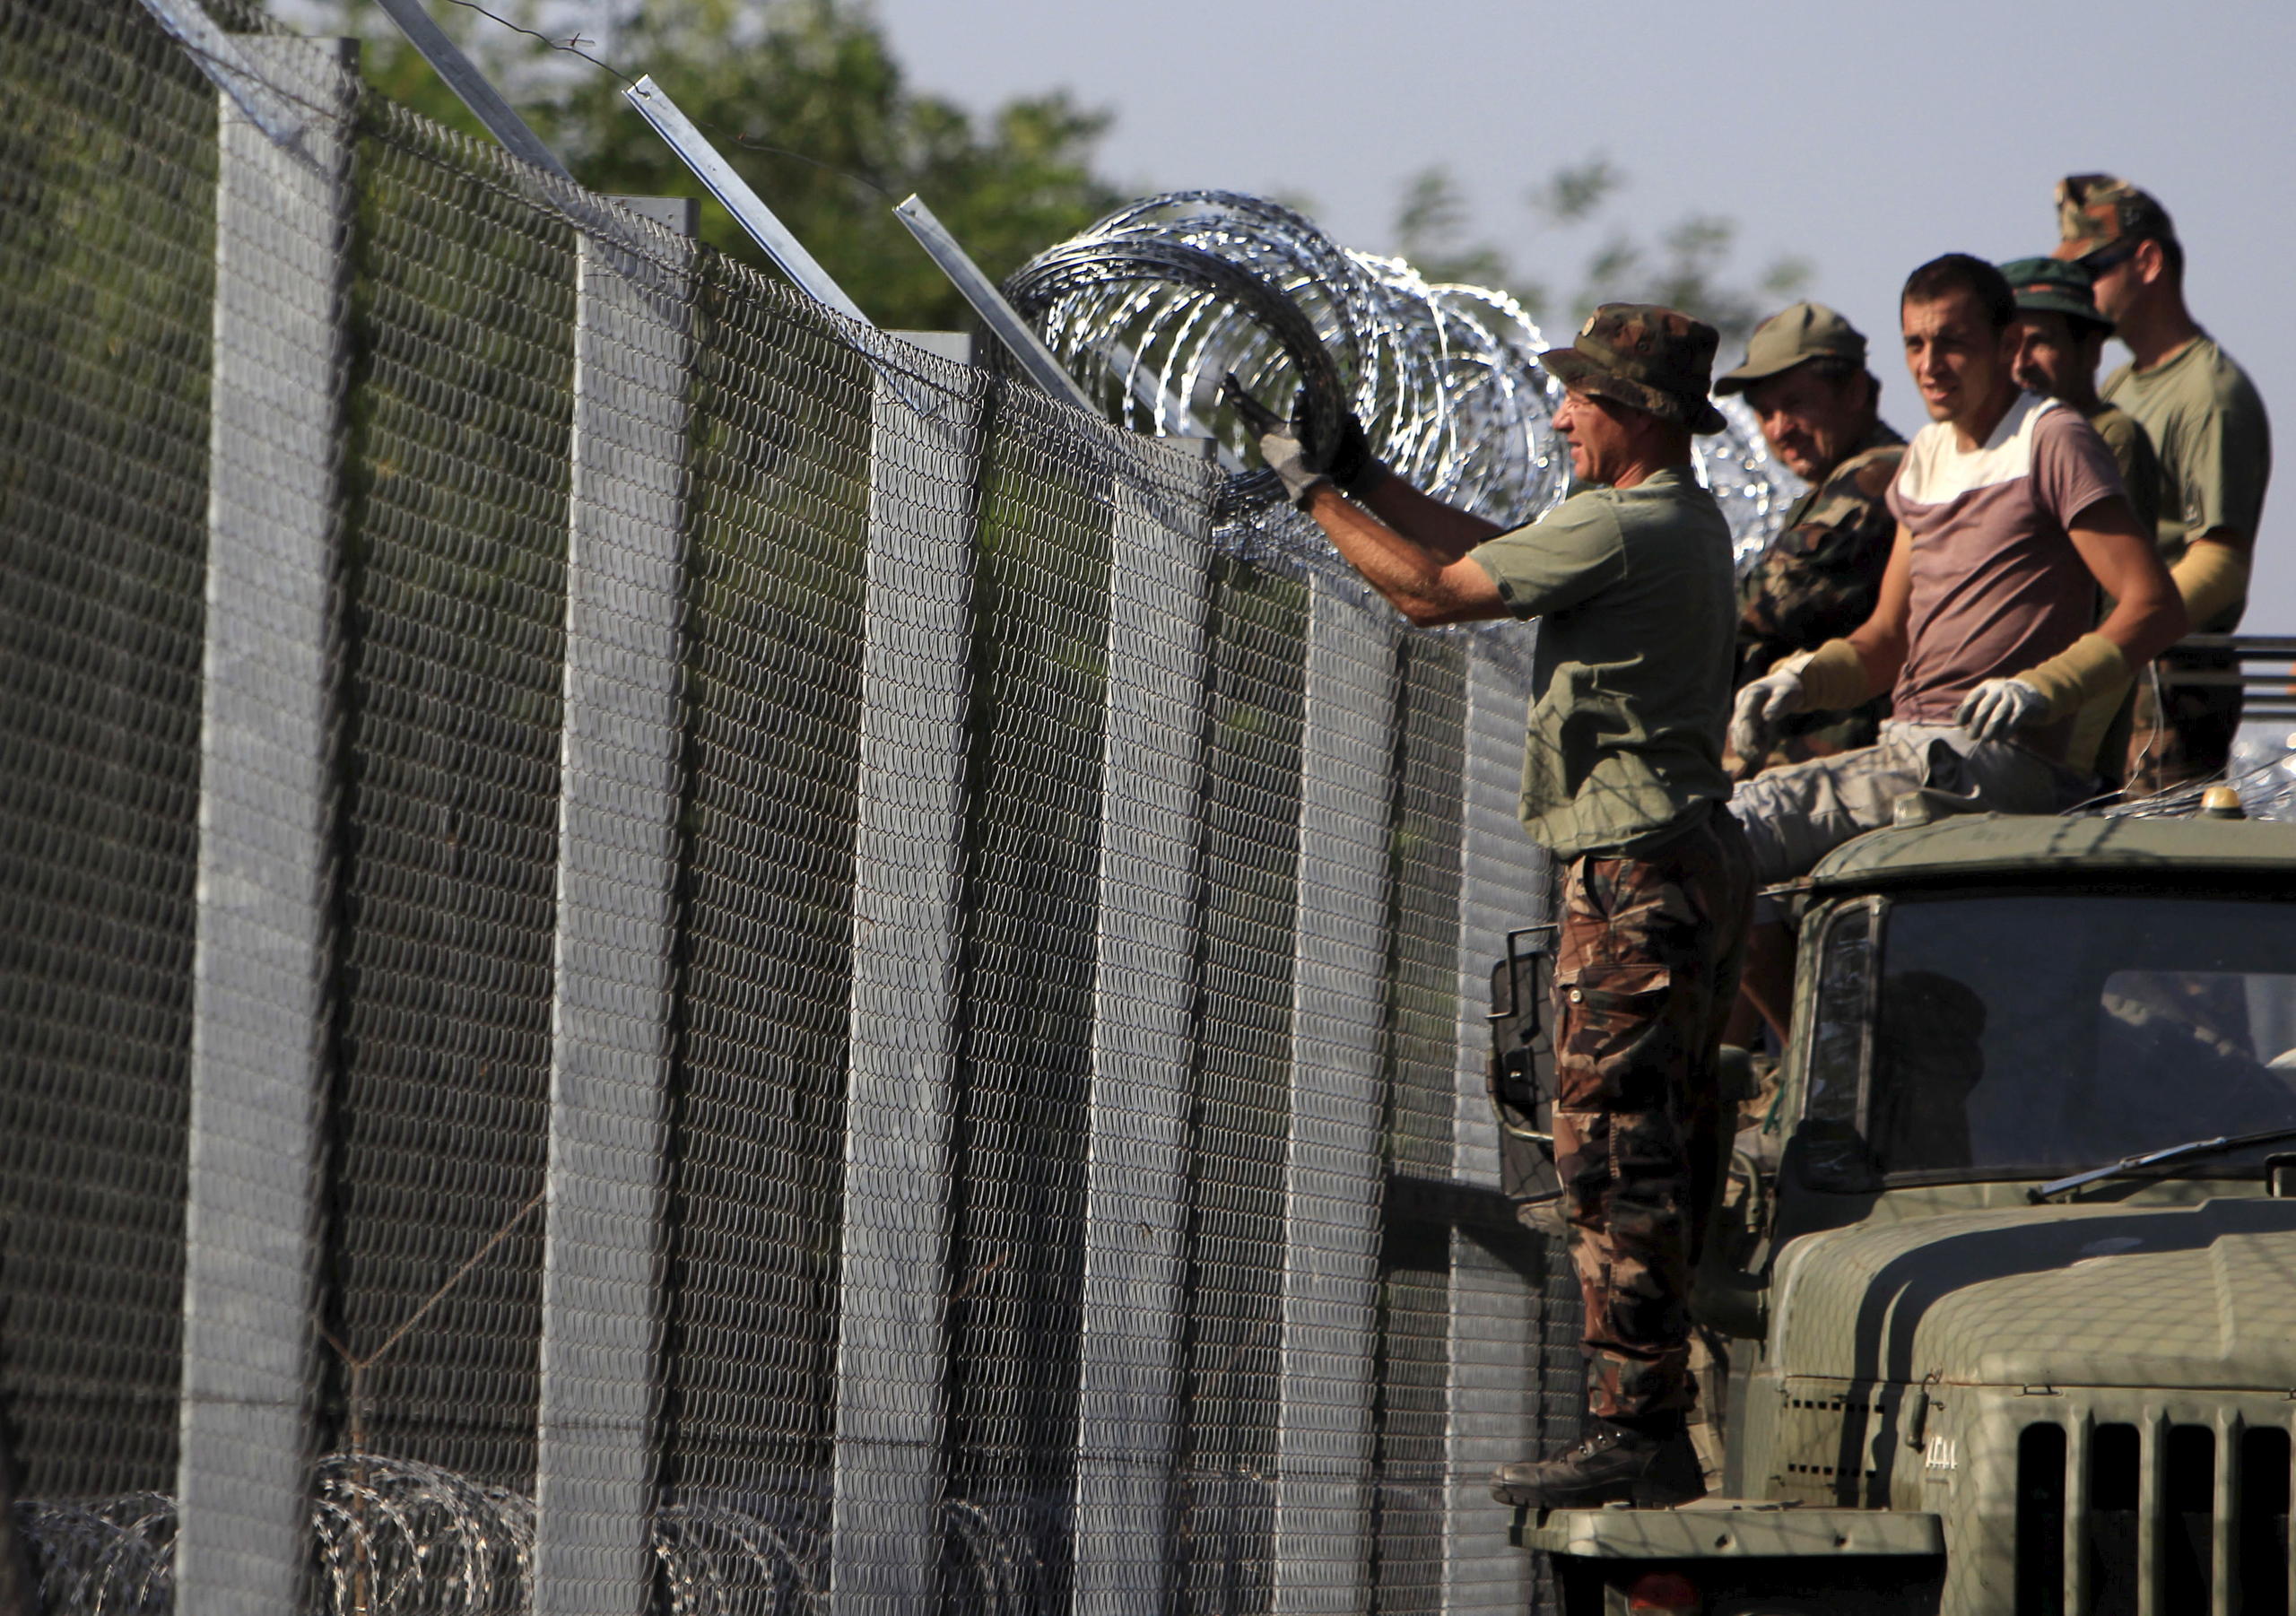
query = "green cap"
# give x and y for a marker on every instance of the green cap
(1790, 338)
(2054, 286)
(1646, 358)
(2096, 210)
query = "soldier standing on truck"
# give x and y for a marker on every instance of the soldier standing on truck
(2011, 518)
(2061, 340)
(1623, 782)
(1805, 378)
(2208, 426)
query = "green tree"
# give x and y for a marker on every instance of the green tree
(805, 98)
(1431, 232)
(1686, 267)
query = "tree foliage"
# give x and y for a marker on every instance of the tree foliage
(805, 98)
(1687, 267)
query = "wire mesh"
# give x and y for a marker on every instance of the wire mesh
(830, 1048)
(1031, 866)
(105, 294)
(1226, 1503)
(461, 331)
(1414, 1458)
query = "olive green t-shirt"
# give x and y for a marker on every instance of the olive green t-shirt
(2208, 427)
(2140, 468)
(1630, 685)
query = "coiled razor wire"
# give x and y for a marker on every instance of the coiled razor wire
(397, 1537)
(1151, 307)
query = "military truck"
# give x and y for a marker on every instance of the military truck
(2007, 1265)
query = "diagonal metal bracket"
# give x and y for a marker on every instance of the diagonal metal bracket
(224, 62)
(999, 316)
(463, 78)
(748, 208)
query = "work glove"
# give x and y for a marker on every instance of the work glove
(1999, 707)
(1763, 703)
(1351, 464)
(1282, 444)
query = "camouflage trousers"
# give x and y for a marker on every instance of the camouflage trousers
(1645, 970)
(2182, 733)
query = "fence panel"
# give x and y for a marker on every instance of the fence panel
(776, 602)
(260, 968)
(901, 1090)
(617, 869)
(1144, 985)
(462, 327)
(107, 322)
(900, 1011)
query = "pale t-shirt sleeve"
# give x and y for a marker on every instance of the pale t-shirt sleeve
(1565, 557)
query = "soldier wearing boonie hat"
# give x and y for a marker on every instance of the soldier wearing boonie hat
(1805, 380)
(2063, 338)
(1623, 781)
(2209, 429)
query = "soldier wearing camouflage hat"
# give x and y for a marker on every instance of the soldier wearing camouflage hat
(1623, 781)
(1805, 376)
(2208, 427)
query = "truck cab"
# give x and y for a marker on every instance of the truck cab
(2007, 1264)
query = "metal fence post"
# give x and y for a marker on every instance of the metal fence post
(1493, 1418)
(618, 806)
(900, 1078)
(259, 964)
(1332, 1164)
(1151, 812)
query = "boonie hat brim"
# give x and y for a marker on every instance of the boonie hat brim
(1574, 369)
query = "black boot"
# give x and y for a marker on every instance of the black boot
(1618, 1464)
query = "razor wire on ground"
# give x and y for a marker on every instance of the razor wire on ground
(660, 953)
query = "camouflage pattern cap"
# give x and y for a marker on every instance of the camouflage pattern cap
(2054, 286)
(1646, 358)
(1806, 331)
(2097, 210)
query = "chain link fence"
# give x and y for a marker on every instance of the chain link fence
(658, 952)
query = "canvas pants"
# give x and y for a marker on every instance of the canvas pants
(1646, 966)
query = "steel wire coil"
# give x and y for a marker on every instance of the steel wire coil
(1151, 307)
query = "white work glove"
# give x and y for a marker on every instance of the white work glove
(1999, 707)
(1761, 704)
(1279, 443)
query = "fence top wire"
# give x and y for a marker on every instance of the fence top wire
(935, 390)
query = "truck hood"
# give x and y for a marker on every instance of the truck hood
(2172, 1296)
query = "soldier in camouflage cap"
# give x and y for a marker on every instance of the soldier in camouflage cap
(2208, 427)
(2096, 211)
(1805, 378)
(1623, 782)
(1648, 358)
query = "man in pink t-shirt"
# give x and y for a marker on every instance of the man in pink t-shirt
(2011, 518)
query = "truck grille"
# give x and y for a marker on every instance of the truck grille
(2199, 1512)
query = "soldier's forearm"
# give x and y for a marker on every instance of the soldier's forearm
(2212, 577)
(1423, 585)
(1445, 530)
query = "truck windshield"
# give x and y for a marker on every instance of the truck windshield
(2028, 1035)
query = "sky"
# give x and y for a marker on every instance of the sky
(1862, 138)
